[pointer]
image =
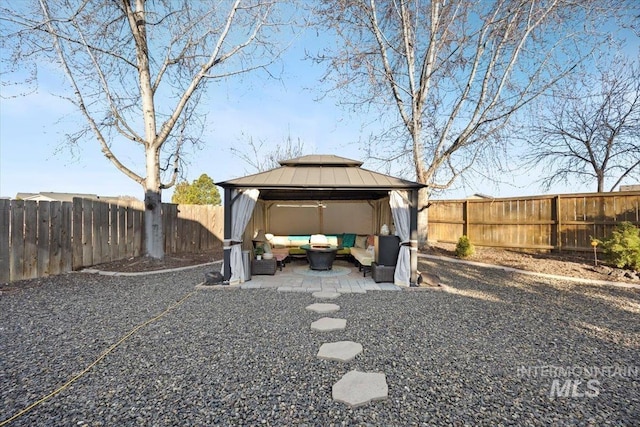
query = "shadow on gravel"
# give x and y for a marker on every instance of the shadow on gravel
(598, 312)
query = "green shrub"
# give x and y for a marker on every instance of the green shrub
(464, 248)
(623, 247)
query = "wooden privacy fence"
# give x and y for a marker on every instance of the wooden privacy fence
(557, 222)
(43, 238)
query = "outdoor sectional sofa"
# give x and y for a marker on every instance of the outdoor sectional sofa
(358, 247)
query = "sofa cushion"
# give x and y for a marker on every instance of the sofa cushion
(280, 241)
(363, 256)
(298, 241)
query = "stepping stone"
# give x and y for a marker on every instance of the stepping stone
(327, 324)
(323, 308)
(359, 388)
(342, 351)
(325, 295)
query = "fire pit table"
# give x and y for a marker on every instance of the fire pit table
(320, 256)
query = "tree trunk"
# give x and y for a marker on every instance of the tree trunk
(154, 233)
(423, 218)
(154, 236)
(600, 178)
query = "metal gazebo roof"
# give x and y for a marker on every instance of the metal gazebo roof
(321, 177)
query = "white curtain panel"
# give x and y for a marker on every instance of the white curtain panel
(240, 215)
(399, 202)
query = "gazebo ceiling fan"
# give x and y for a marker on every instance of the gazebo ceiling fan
(318, 204)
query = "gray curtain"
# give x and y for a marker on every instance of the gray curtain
(399, 202)
(240, 214)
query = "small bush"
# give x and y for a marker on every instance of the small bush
(464, 248)
(623, 247)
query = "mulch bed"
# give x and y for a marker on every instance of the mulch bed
(566, 263)
(144, 263)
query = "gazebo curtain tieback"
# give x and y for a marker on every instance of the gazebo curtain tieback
(228, 243)
(412, 244)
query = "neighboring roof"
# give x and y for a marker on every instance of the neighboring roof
(51, 196)
(321, 177)
(480, 196)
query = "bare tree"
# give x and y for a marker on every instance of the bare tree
(137, 71)
(262, 156)
(447, 76)
(590, 129)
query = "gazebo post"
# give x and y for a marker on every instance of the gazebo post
(227, 234)
(413, 226)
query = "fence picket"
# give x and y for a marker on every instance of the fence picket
(138, 227)
(5, 216)
(122, 232)
(30, 267)
(87, 232)
(66, 230)
(16, 253)
(44, 216)
(114, 248)
(76, 234)
(55, 242)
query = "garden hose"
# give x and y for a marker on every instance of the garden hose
(95, 362)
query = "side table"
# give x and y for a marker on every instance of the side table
(264, 266)
(382, 273)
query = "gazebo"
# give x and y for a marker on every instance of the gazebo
(335, 193)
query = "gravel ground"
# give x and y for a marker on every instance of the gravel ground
(244, 357)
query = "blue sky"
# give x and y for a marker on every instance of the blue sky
(33, 156)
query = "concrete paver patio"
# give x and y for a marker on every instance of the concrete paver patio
(344, 279)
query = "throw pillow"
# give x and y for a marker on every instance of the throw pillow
(348, 240)
(361, 241)
(370, 240)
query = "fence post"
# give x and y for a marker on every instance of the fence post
(465, 219)
(557, 223)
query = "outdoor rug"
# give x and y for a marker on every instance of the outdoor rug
(336, 271)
